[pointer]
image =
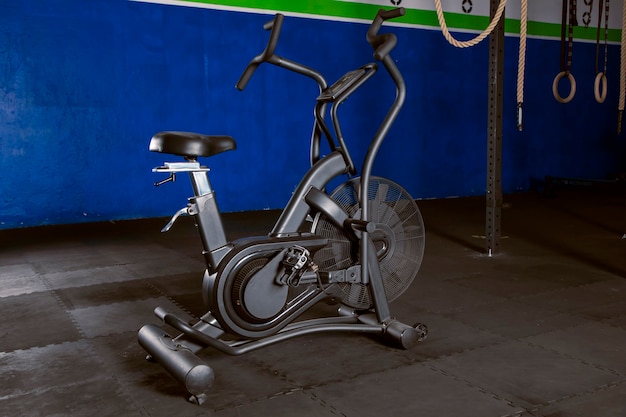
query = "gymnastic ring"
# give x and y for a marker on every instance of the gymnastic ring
(555, 87)
(600, 93)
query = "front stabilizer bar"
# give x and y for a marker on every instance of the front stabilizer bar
(178, 360)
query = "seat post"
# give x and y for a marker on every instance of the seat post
(200, 183)
(208, 219)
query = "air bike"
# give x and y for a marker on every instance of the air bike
(362, 244)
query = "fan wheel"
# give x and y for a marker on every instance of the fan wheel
(399, 240)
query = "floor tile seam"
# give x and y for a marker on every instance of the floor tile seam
(427, 364)
(267, 367)
(120, 391)
(481, 389)
(120, 385)
(279, 394)
(455, 317)
(64, 306)
(9, 275)
(621, 377)
(93, 357)
(535, 408)
(249, 401)
(538, 408)
(614, 372)
(124, 389)
(325, 404)
(310, 388)
(171, 299)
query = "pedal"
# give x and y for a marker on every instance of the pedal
(296, 257)
(296, 261)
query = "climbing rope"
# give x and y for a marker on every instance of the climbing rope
(566, 64)
(600, 92)
(477, 39)
(521, 61)
(622, 75)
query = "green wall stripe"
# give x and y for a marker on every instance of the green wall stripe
(344, 10)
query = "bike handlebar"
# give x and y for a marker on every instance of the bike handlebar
(383, 44)
(275, 25)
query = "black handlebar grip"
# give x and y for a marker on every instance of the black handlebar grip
(275, 25)
(383, 44)
(245, 77)
(393, 13)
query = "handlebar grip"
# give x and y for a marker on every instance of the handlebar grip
(383, 44)
(393, 13)
(245, 77)
(269, 25)
(275, 25)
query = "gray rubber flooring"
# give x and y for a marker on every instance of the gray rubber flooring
(538, 329)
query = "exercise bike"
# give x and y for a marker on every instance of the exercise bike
(362, 244)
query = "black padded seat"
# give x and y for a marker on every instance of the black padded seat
(191, 145)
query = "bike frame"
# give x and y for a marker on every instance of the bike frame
(177, 355)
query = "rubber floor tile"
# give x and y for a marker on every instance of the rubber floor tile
(168, 266)
(36, 319)
(40, 253)
(106, 293)
(523, 374)
(18, 270)
(440, 265)
(89, 276)
(121, 317)
(143, 251)
(599, 344)
(515, 319)
(192, 303)
(509, 285)
(19, 279)
(610, 313)
(37, 369)
(72, 260)
(11, 254)
(561, 271)
(174, 284)
(99, 397)
(327, 357)
(446, 297)
(608, 401)
(583, 297)
(416, 390)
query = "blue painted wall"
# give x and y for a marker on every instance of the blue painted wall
(84, 85)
